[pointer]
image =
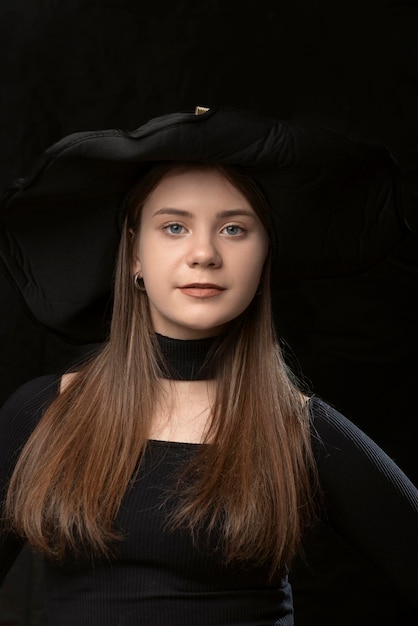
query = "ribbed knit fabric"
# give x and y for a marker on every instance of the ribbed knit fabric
(159, 577)
(186, 359)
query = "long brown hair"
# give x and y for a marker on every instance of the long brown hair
(259, 481)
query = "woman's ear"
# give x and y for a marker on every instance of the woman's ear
(136, 265)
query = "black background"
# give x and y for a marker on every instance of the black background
(350, 65)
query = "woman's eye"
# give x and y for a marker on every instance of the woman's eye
(174, 229)
(232, 229)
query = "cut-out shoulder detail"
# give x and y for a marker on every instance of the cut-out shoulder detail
(66, 379)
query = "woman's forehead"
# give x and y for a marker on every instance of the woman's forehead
(190, 188)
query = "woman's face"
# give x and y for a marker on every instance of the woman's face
(201, 251)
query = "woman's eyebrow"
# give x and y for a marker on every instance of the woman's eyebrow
(222, 214)
(169, 211)
(235, 213)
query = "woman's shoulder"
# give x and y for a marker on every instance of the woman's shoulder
(343, 449)
(333, 433)
(20, 415)
(326, 417)
(66, 379)
(35, 389)
(24, 407)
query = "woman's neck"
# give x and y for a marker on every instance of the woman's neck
(183, 411)
(185, 359)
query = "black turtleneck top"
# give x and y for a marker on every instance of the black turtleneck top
(159, 577)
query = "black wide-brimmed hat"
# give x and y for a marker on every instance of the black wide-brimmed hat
(336, 205)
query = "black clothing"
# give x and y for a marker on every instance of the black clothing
(159, 577)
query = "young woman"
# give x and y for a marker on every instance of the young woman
(170, 478)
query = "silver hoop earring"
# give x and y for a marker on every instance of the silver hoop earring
(139, 282)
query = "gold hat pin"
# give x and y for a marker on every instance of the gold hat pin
(200, 110)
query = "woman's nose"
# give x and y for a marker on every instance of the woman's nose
(204, 251)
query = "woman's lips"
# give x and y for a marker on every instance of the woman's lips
(202, 290)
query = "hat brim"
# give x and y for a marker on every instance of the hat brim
(336, 205)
